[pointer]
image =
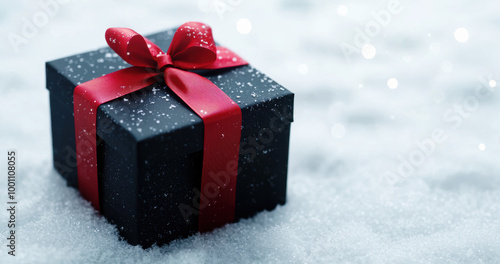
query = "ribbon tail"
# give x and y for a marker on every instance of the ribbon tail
(222, 133)
(86, 99)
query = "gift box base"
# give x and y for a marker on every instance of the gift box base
(149, 184)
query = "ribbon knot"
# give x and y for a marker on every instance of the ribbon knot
(163, 61)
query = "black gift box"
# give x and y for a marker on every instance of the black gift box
(150, 145)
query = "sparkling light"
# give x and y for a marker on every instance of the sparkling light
(244, 26)
(392, 83)
(492, 83)
(482, 147)
(303, 68)
(368, 51)
(461, 34)
(338, 131)
(342, 10)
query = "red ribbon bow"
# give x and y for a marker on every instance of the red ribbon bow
(192, 48)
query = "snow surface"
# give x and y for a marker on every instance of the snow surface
(351, 132)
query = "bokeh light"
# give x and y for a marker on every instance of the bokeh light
(342, 10)
(461, 34)
(392, 83)
(482, 147)
(368, 51)
(244, 26)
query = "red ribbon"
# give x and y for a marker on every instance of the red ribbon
(192, 48)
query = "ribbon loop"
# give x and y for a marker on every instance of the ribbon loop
(132, 47)
(193, 46)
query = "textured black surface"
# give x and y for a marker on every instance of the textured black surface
(150, 149)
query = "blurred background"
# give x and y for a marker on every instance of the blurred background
(394, 149)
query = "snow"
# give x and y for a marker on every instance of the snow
(425, 104)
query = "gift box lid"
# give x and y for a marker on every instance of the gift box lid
(155, 114)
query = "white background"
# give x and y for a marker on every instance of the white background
(351, 131)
